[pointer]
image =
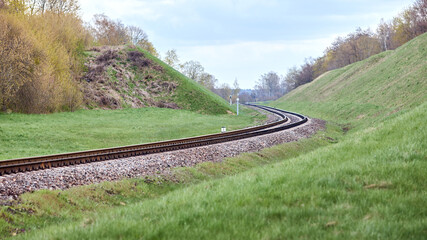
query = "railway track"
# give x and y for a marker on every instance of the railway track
(66, 159)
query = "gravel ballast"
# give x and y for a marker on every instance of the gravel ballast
(11, 186)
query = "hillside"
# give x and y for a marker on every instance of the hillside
(123, 76)
(371, 89)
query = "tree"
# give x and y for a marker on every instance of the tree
(139, 38)
(17, 65)
(172, 59)
(193, 70)
(207, 80)
(109, 32)
(14, 6)
(136, 35)
(54, 6)
(236, 89)
(224, 91)
(268, 86)
(63, 6)
(289, 81)
(385, 33)
(420, 16)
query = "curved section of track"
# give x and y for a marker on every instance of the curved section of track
(59, 160)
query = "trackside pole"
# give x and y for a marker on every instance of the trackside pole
(237, 106)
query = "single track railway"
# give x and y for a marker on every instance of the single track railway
(66, 159)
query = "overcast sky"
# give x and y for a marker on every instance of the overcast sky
(244, 39)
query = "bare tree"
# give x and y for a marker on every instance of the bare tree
(419, 12)
(193, 70)
(385, 33)
(224, 91)
(136, 35)
(172, 59)
(236, 89)
(109, 32)
(207, 80)
(268, 86)
(54, 6)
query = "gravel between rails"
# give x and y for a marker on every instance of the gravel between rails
(11, 186)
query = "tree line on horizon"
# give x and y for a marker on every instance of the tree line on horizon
(344, 51)
(354, 47)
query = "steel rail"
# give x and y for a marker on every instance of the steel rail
(66, 159)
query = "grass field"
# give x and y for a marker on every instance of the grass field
(30, 135)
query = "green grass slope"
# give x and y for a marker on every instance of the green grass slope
(119, 77)
(191, 95)
(372, 185)
(367, 90)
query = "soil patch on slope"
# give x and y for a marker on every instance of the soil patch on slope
(118, 77)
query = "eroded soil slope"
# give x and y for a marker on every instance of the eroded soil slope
(118, 77)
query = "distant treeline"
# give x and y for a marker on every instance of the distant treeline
(356, 46)
(42, 51)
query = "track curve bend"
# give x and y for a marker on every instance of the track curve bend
(66, 159)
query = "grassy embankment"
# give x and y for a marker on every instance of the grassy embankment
(123, 76)
(371, 184)
(191, 95)
(31, 135)
(366, 92)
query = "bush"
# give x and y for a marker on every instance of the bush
(41, 61)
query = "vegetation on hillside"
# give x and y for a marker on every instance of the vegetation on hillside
(190, 94)
(371, 89)
(354, 47)
(195, 71)
(44, 65)
(363, 44)
(40, 56)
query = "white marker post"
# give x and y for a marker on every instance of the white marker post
(237, 106)
(230, 101)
